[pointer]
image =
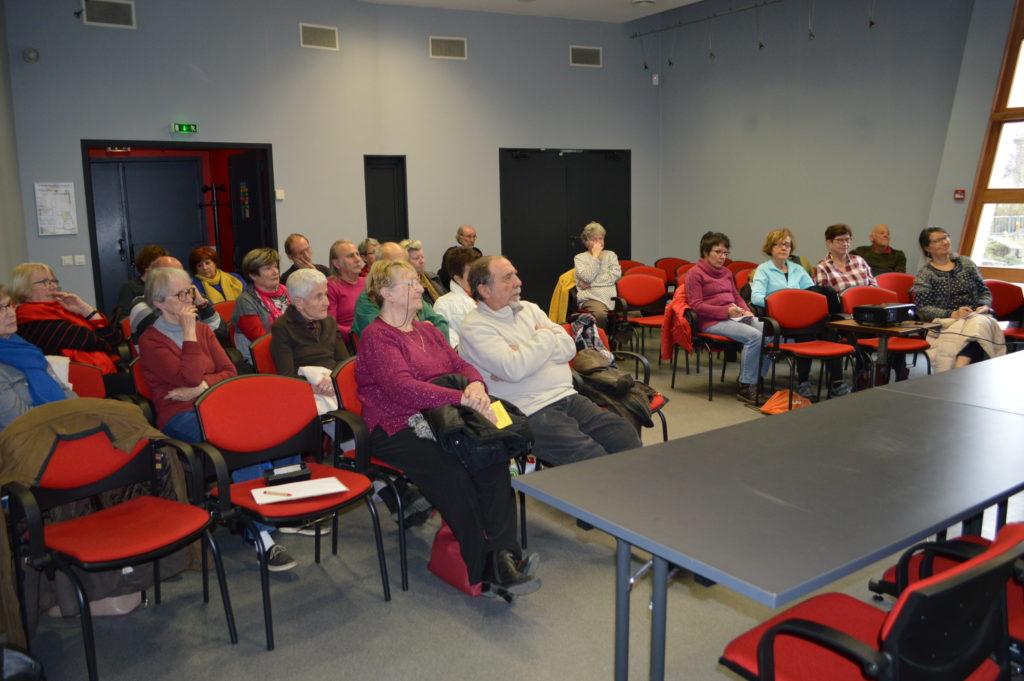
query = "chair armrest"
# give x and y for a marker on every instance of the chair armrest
(193, 469)
(220, 470)
(775, 334)
(635, 356)
(23, 505)
(355, 426)
(871, 661)
(954, 549)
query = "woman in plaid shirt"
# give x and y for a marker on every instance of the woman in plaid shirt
(840, 269)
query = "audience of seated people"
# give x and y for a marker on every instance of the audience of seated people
(263, 302)
(711, 291)
(432, 286)
(133, 288)
(298, 250)
(459, 301)
(61, 323)
(367, 310)
(880, 255)
(596, 271)
(398, 358)
(344, 286)
(216, 285)
(26, 377)
(525, 357)
(949, 289)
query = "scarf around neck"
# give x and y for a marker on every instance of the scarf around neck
(29, 359)
(220, 287)
(275, 303)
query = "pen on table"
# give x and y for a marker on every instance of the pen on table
(277, 494)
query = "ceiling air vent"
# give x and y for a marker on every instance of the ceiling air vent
(448, 48)
(112, 13)
(318, 37)
(580, 55)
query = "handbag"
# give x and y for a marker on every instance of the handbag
(446, 562)
(779, 402)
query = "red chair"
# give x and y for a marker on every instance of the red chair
(226, 310)
(670, 265)
(286, 414)
(639, 291)
(742, 278)
(898, 282)
(262, 360)
(737, 265)
(681, 272)
(658, 401)
(652, 271)
(870, 295)
(949, 627)
(131, 532)
(628, 264)
(1008, 305)
(86, 380)
(799, 315)
(126, 331)
(711, 343)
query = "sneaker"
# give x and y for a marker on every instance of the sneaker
(278, 559)
(309, 529)
(803, 389)
(839, 389)
(747, 392)
(528, 564)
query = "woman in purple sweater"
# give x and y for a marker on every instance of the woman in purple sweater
(397, 360)
(721, 310)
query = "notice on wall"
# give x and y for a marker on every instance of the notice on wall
(55, 208)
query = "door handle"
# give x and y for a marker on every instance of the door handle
(120, 249)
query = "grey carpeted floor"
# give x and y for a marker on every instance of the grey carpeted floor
(332, 622)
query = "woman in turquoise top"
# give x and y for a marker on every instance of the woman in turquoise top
(779, 272)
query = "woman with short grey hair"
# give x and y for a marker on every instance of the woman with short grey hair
(305, 335)
(432, 286)
(597, 270)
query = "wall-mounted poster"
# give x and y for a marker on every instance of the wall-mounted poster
(55, 208)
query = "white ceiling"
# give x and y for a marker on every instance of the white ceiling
(614, 11)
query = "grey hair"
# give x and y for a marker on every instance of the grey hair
(411, 245)
(480, 274)
(302, 282)
(590, 231)
(160, 282)
(365, 244)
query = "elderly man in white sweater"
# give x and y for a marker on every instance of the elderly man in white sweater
(524, 357)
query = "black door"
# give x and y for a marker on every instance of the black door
(387, 206)
(547, 197)
(138, 202)
(251, 215)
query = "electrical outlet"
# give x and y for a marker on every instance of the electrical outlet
(67, 260)
(79, 259)
(279, 194)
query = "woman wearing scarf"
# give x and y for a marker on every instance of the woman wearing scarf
(26, 379)
(215, 284)
(259, 305)
(61, 323)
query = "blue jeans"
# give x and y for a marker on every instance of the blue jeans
(750, 335)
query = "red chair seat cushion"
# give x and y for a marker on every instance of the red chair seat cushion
(133, 528)
(817, 348)
(241, 494)
(653, 320)
(800, 660)
(898, 344)
(1014, 334)
(715, 338)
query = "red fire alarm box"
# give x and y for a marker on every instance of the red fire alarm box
(959, 194)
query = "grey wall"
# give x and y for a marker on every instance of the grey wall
(12, 226)
(848, 127)
(235, 68)
(859, 125)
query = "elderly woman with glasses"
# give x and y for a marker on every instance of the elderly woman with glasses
(949, 289)
(61, 323)
(263, 302)
(841, 269)
(398, 359)
(26, 378)
(720, 309)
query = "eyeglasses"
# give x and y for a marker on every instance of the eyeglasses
(46, 282)
(944, 237)
(411, 284)
(783, 244)
(842, 240)
(184, 295)
(719, 251)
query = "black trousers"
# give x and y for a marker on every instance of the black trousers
(479, 507)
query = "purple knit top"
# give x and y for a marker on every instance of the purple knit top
(711, 291)
(394, 370)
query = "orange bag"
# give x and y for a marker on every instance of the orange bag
(779, 402)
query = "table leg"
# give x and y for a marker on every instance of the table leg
(659, 591)
(622, 576)
(881, 376)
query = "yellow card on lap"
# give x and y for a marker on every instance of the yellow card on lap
(503, 418)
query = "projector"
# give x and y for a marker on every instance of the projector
(884, 314)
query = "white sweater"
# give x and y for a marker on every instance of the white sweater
(521, 363)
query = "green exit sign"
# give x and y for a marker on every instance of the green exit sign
(184, 128)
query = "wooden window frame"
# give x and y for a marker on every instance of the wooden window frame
(1000, 115)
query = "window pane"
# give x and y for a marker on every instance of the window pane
(999, 241)
(1008, 167)
(1017, 88)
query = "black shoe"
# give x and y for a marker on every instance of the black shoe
(747, 392)
(503, 573)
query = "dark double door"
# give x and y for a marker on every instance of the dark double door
(547, 197)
